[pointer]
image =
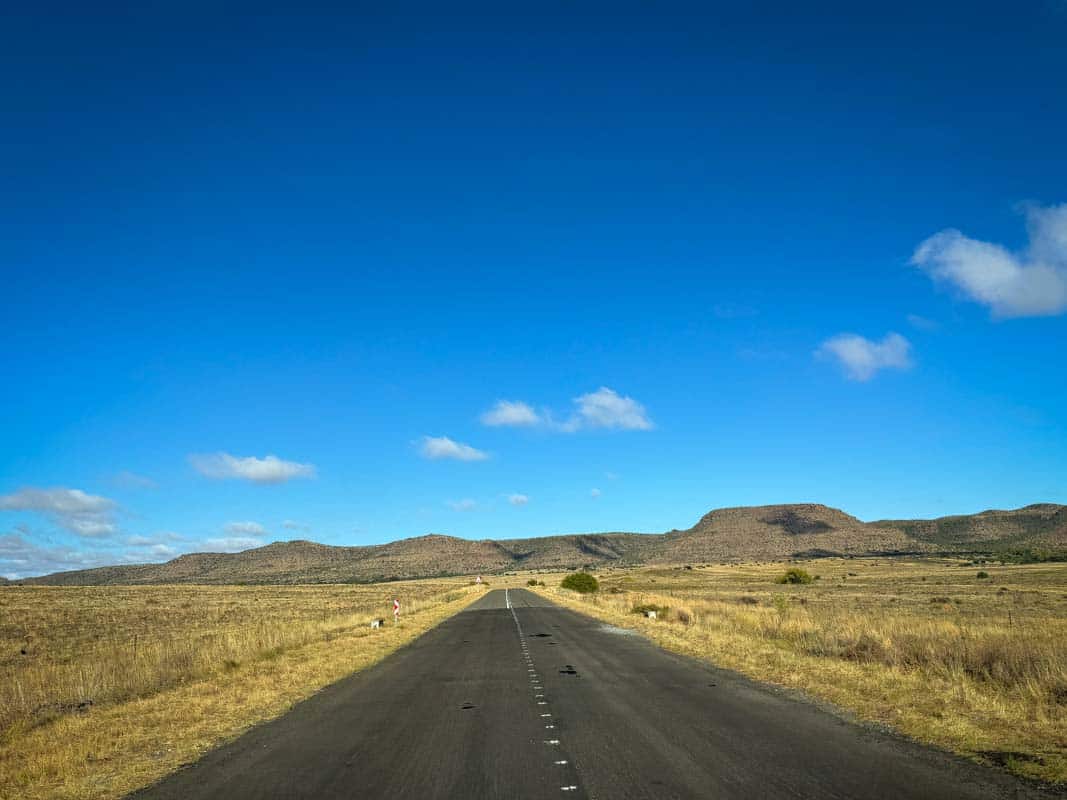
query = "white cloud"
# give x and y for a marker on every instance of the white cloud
(605, 408)
(294, 525)
(862, 358)
(463, 505)
(21, 558)
(81, 513)
(229, 544)
(595, 493)
(518, 499)
(1028, 284)
(511, 413)
(269, 469)
(245, 529)
(156, 540)
(441, 447)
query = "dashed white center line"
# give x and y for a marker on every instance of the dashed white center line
(538, 688)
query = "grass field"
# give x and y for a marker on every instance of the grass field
(105, 689)
(977, 665)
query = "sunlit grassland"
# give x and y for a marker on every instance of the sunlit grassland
(105, 689)
(977, 665)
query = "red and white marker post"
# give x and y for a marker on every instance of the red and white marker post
(396, 611)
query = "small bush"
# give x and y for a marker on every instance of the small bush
(531, 582)
(795, 575)
(581, 582)
(748, 600)
(982, 574)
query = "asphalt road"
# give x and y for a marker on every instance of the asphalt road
(536, 701)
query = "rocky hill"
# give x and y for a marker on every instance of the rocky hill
(726, 534)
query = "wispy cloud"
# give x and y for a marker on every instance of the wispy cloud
(1028, 284)
(862, 357)
(229, 544)
(512, 413)
(437, 448)
(270, 469)
(294, 525)
(595, 493)
(131, 480)
(463, 505)
(922, 323)
(604, 408)
(81, 513)
(248, 528)
(22, 558)
(518, 499)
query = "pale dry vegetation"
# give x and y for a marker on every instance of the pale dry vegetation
(977, 665)
(103, 689)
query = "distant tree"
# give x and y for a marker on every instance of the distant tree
(581, 582)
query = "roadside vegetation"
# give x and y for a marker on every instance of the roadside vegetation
(977, 665)
(105, 689)
(581, 582)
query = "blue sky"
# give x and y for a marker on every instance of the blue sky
(269, 272)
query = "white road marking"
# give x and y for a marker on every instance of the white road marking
(546, 715)
(552, 741)
(559, 763)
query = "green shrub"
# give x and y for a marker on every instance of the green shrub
(531, 582)
(982, 574)
(581, 582)
(795, 575)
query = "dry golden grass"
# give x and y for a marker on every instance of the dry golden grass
(975, 665)
(105, 689)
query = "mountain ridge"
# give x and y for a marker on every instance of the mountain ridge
(725, 534)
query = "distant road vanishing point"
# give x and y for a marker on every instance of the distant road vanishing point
(518, 698)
